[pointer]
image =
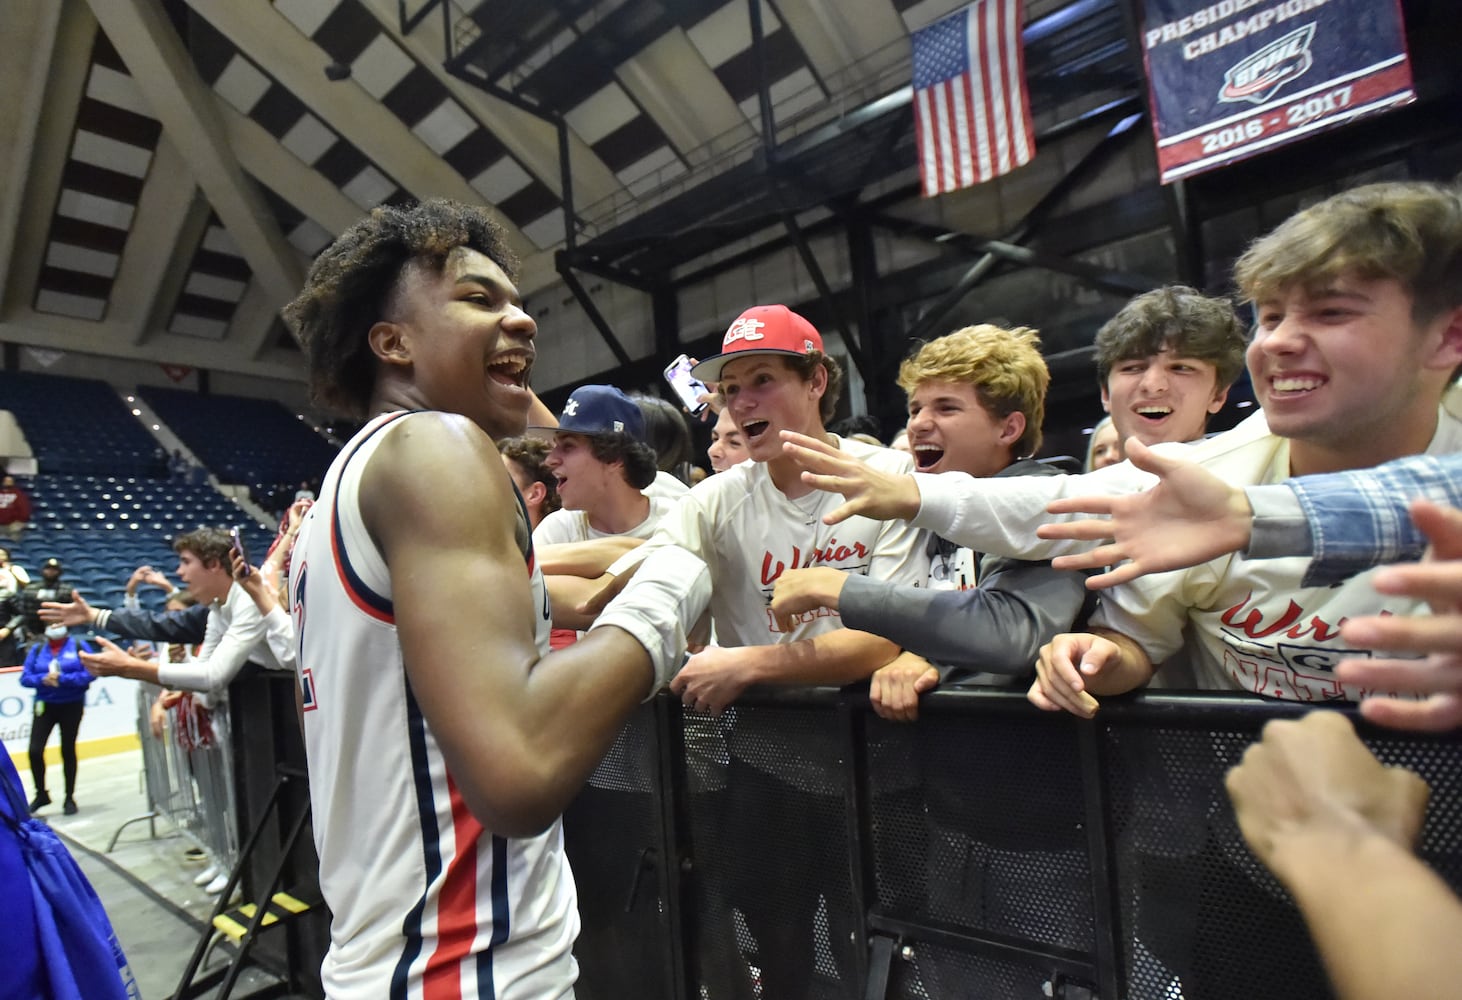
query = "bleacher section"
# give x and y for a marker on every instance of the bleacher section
(104, 527)
(79, 426)
(250, 441)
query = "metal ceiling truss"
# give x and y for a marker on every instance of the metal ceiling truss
(1083, 45)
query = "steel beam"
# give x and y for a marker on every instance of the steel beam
(763, 92)
(1029, 224)
(1117, 282)
(566, 272)
(1123, 106)
(826, 293)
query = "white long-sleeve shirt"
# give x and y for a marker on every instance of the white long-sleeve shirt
(235, 634)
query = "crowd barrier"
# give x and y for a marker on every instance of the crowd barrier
(801, 847)
(211, 794)
(188, 777)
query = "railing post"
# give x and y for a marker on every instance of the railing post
(670, 773)
(852, 724)
(1105, 905)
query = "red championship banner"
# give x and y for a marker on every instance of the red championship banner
(1233, 78)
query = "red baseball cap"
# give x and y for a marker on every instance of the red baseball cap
(761, 330)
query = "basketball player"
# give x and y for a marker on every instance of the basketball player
(443, 746)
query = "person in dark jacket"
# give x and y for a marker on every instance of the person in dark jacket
(28, 601)
(54, 669)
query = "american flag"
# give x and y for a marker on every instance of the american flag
(971, 112)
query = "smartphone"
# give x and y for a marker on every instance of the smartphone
(687, 388)
(239, 548)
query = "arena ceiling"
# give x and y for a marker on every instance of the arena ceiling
(176, 164)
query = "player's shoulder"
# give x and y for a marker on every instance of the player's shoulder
(427, 447)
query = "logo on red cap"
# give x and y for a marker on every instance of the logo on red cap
(745, 328)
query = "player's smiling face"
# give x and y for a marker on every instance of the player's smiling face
(765, 397)
(1162, 397)
(467, 341)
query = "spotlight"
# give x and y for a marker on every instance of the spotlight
(337, 72)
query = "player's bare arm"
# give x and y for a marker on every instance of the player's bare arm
(880, 495)
(520, 734)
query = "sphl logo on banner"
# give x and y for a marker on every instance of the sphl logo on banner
(1258, 76)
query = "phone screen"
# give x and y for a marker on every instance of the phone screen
(687, 388)
(239, 548)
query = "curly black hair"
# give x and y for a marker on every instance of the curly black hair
(351, 282)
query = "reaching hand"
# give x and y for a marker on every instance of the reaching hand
(77, 612)
(712, 679)
(1065, 665)
(138, 577)
(894, 689)
(295, 516)
(798, 591)
(1438, 581)
(155, 578)
(253, 583)
(869, 492)
(1189, 517)
(112, 661)
(1316, 774)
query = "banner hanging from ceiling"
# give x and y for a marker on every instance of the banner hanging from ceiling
(1232, 78)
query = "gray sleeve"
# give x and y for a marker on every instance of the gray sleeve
(1280, 527)
(997, 627)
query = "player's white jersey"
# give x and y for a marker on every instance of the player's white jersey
(426, 903)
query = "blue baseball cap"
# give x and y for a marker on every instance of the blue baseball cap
(597, 409)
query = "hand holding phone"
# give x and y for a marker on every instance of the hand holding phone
(687, 388)
(239, 548)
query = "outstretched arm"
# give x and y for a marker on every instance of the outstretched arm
(1189, 517)
(1349, 521)
(520, 733)
(1337, 829)
(870, 492)
(997, 515)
